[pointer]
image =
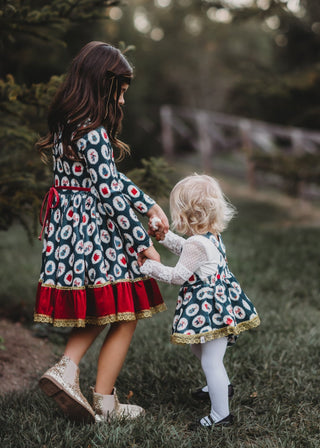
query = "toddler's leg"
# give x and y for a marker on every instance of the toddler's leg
(202, 392)
(212, 354)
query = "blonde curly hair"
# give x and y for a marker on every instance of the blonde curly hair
(198, 206)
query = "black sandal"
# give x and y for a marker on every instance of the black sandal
(227, 421)
(201, 395)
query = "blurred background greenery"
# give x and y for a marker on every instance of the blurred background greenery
(253, 58)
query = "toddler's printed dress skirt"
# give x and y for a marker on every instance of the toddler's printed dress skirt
(210, 310)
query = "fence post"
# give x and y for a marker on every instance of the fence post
(297, 149)
(167, 132)
(245, 128)
(204, 140)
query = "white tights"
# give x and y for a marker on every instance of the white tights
(211, 356)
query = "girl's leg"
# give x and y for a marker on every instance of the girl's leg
(80, 340)
(217, 378)
(196, 350)
(112, 355)
(61, 381)
(111, 359)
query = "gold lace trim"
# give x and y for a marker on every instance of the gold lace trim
(120, 317)
(100, 285)
(177, 338)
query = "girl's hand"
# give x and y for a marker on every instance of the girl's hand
(158, 222)
(154, 224)
(148, 253)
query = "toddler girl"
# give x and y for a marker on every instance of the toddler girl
(211, 309)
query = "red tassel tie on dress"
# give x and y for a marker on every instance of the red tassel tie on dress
(50, 202)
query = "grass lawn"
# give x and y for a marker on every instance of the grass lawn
(275, 368)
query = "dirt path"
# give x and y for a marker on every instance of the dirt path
(23, 357)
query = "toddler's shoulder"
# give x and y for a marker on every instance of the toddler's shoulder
(203, 243)
(198, 238)
(197, 241)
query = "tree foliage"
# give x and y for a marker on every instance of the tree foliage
(154, 176)
(47, 20)
(284, 88)
(23, 106)
(22, 175)
(259, 60)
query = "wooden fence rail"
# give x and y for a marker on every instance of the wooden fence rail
(212, 132)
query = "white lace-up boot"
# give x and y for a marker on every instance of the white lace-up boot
(61, 382)
(106, 406)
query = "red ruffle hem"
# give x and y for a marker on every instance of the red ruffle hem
(98, 304)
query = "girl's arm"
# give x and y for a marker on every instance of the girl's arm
(193, 255)
(142, 202)
(139, 200)
(97, 151)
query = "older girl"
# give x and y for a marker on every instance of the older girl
(91, 234)
(211, 308)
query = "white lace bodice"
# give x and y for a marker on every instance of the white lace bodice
(197, 255)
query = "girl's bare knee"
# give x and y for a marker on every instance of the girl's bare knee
(129, 325)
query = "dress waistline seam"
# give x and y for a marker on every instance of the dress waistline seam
(51, 201)
(63, 187)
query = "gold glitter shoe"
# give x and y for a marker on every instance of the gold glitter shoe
(61, 382)
(106, 406)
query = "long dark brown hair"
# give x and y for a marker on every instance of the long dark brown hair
(88, 98)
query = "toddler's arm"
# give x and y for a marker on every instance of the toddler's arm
(169, 239)
(192, 257)
(173, 242)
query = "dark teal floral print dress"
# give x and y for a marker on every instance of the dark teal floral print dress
(92, 236)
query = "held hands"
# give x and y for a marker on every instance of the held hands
(150, 253)
(158, 227)
(158, 222)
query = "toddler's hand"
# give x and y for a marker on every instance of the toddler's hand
(148, 253)
(146, 269)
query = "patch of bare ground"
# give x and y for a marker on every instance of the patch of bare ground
(23, 357)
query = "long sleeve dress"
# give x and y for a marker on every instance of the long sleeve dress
(211, 303)
(92, 236)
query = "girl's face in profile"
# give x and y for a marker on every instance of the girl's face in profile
(124, 88)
